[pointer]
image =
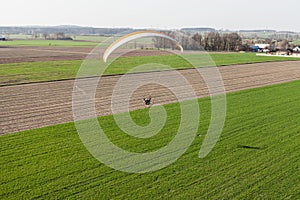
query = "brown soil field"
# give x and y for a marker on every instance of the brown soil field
(29, 106)
(36, 54)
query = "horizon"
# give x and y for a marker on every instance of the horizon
(149, 28)
(229, 14)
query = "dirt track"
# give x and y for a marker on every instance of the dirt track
(31, 106)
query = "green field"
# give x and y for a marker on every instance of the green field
(19, 36)
(52, 162)
(297, 42)
(93, 38)
(78, 41)
(59, 43)
(18, 73)
(244, 58)
(37, 71)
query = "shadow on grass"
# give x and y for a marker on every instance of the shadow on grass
(250, 147)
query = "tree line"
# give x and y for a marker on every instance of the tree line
(212, 41)
(70, 30)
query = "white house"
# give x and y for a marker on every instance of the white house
(297, 48)
(263, 46)
(2, 38)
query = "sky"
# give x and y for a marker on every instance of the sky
(219, 14)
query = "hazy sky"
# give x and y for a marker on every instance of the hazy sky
(226, 14)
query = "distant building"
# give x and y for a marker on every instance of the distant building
(297, 48)
(254, 48)
(2, 38)
(262, 46)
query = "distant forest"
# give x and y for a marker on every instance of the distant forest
(79, 30)
(68, 30)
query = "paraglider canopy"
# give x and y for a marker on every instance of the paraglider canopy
(135, 35)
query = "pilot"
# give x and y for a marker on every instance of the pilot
(147, 101)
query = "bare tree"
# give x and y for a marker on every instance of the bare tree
(234, 40)
(59, 35)
(35, 35)
(198, 38)
(224, 43)
(45, 36)
(284, 44)
(212, 41)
